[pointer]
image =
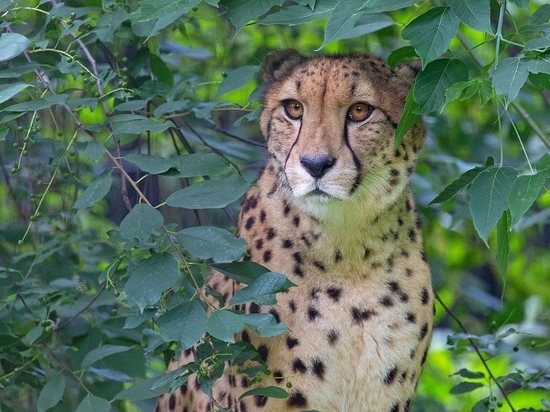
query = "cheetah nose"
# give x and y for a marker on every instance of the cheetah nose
(317, 166)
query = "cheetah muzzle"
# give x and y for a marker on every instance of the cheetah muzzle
(332, 210)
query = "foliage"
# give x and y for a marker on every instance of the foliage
(128, 133)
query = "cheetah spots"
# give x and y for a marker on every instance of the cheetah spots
(275, 314)
(333, 336)
(314, 294)
(408, 272)
(387, 301)
(260, 401)
(245, 337)
(243, 406)
(359, 316)
(334, 293)
(263, 216)
(292, 342)
(394, 177)
(408, 405)
(278, 376)
(318, 368)
(411, 317)
(271, 233)
(367, 253)
(263, 351)
(292, 306)
(251, 202)
(390, 376)
(298, 257)
(267, 256)
(296, 220)
(287, 243)
(395, 407)
(249, 223)
(297, 399)
(172, 402)
(425, 296)
(254, 308)
(423, 331)
(259, 244)
(412, 235)
(183, 389)
(298, 366)
(319, 265)
(338, 256)
(424, 356)
(244, 382)
(312, 313)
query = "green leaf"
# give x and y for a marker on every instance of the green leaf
(269, 391)
(141, 222)
(489, 198)
(509, 76)
(433, 81)
(100, 353)
(244, 272)
(38, 104)
(465, 373)
(7, 91)
(151, 164)
(3, 133)
(299, 14)
(97, 190)
(94, 404)
(206, 242)
(262, 290)
(201, 164)
(186, 324)
(404, 53)
(51, 393)
(236, 79)
(341, 21)
(241, 12)
(431, 33)
(539, 64)
(155, 9)
(408, 118)
(263, 324)
(94, 151)
(503, 243)
(369, 23)
(142, 390)
(223, 325)
(538, 43)
(543, 166)
(465, 387)
(523, 193)
(377, 6)
(161, 70)
(474, 13)
(150, 277)
(209, 194)
(12, 44)
(143, 125)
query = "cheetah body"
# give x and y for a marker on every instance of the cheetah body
(345, 231)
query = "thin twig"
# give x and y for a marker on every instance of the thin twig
(476, 349)
(84, 309)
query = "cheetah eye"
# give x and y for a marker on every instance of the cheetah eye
(359, 112)
(293, 109)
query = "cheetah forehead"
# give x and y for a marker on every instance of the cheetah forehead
(340, 80)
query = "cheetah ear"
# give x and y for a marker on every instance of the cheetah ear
(279, 63)
(409, 70)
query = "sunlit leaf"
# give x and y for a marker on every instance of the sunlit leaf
(7, 91)
(94, 404)
(465, 387)
(244, 272)
(408, 118)
(237, 78)
(262, 290)
(241, 12)
(263, 324)
(503, 244)
(151, 164)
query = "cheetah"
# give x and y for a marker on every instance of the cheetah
(332, 210)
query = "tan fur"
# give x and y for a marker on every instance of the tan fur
(360, 318)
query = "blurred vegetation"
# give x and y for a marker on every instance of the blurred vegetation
(113, 113)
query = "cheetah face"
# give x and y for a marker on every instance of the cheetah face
(330, 123)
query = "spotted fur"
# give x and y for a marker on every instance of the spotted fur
(332, 210)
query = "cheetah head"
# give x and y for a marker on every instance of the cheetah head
(330, 123)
